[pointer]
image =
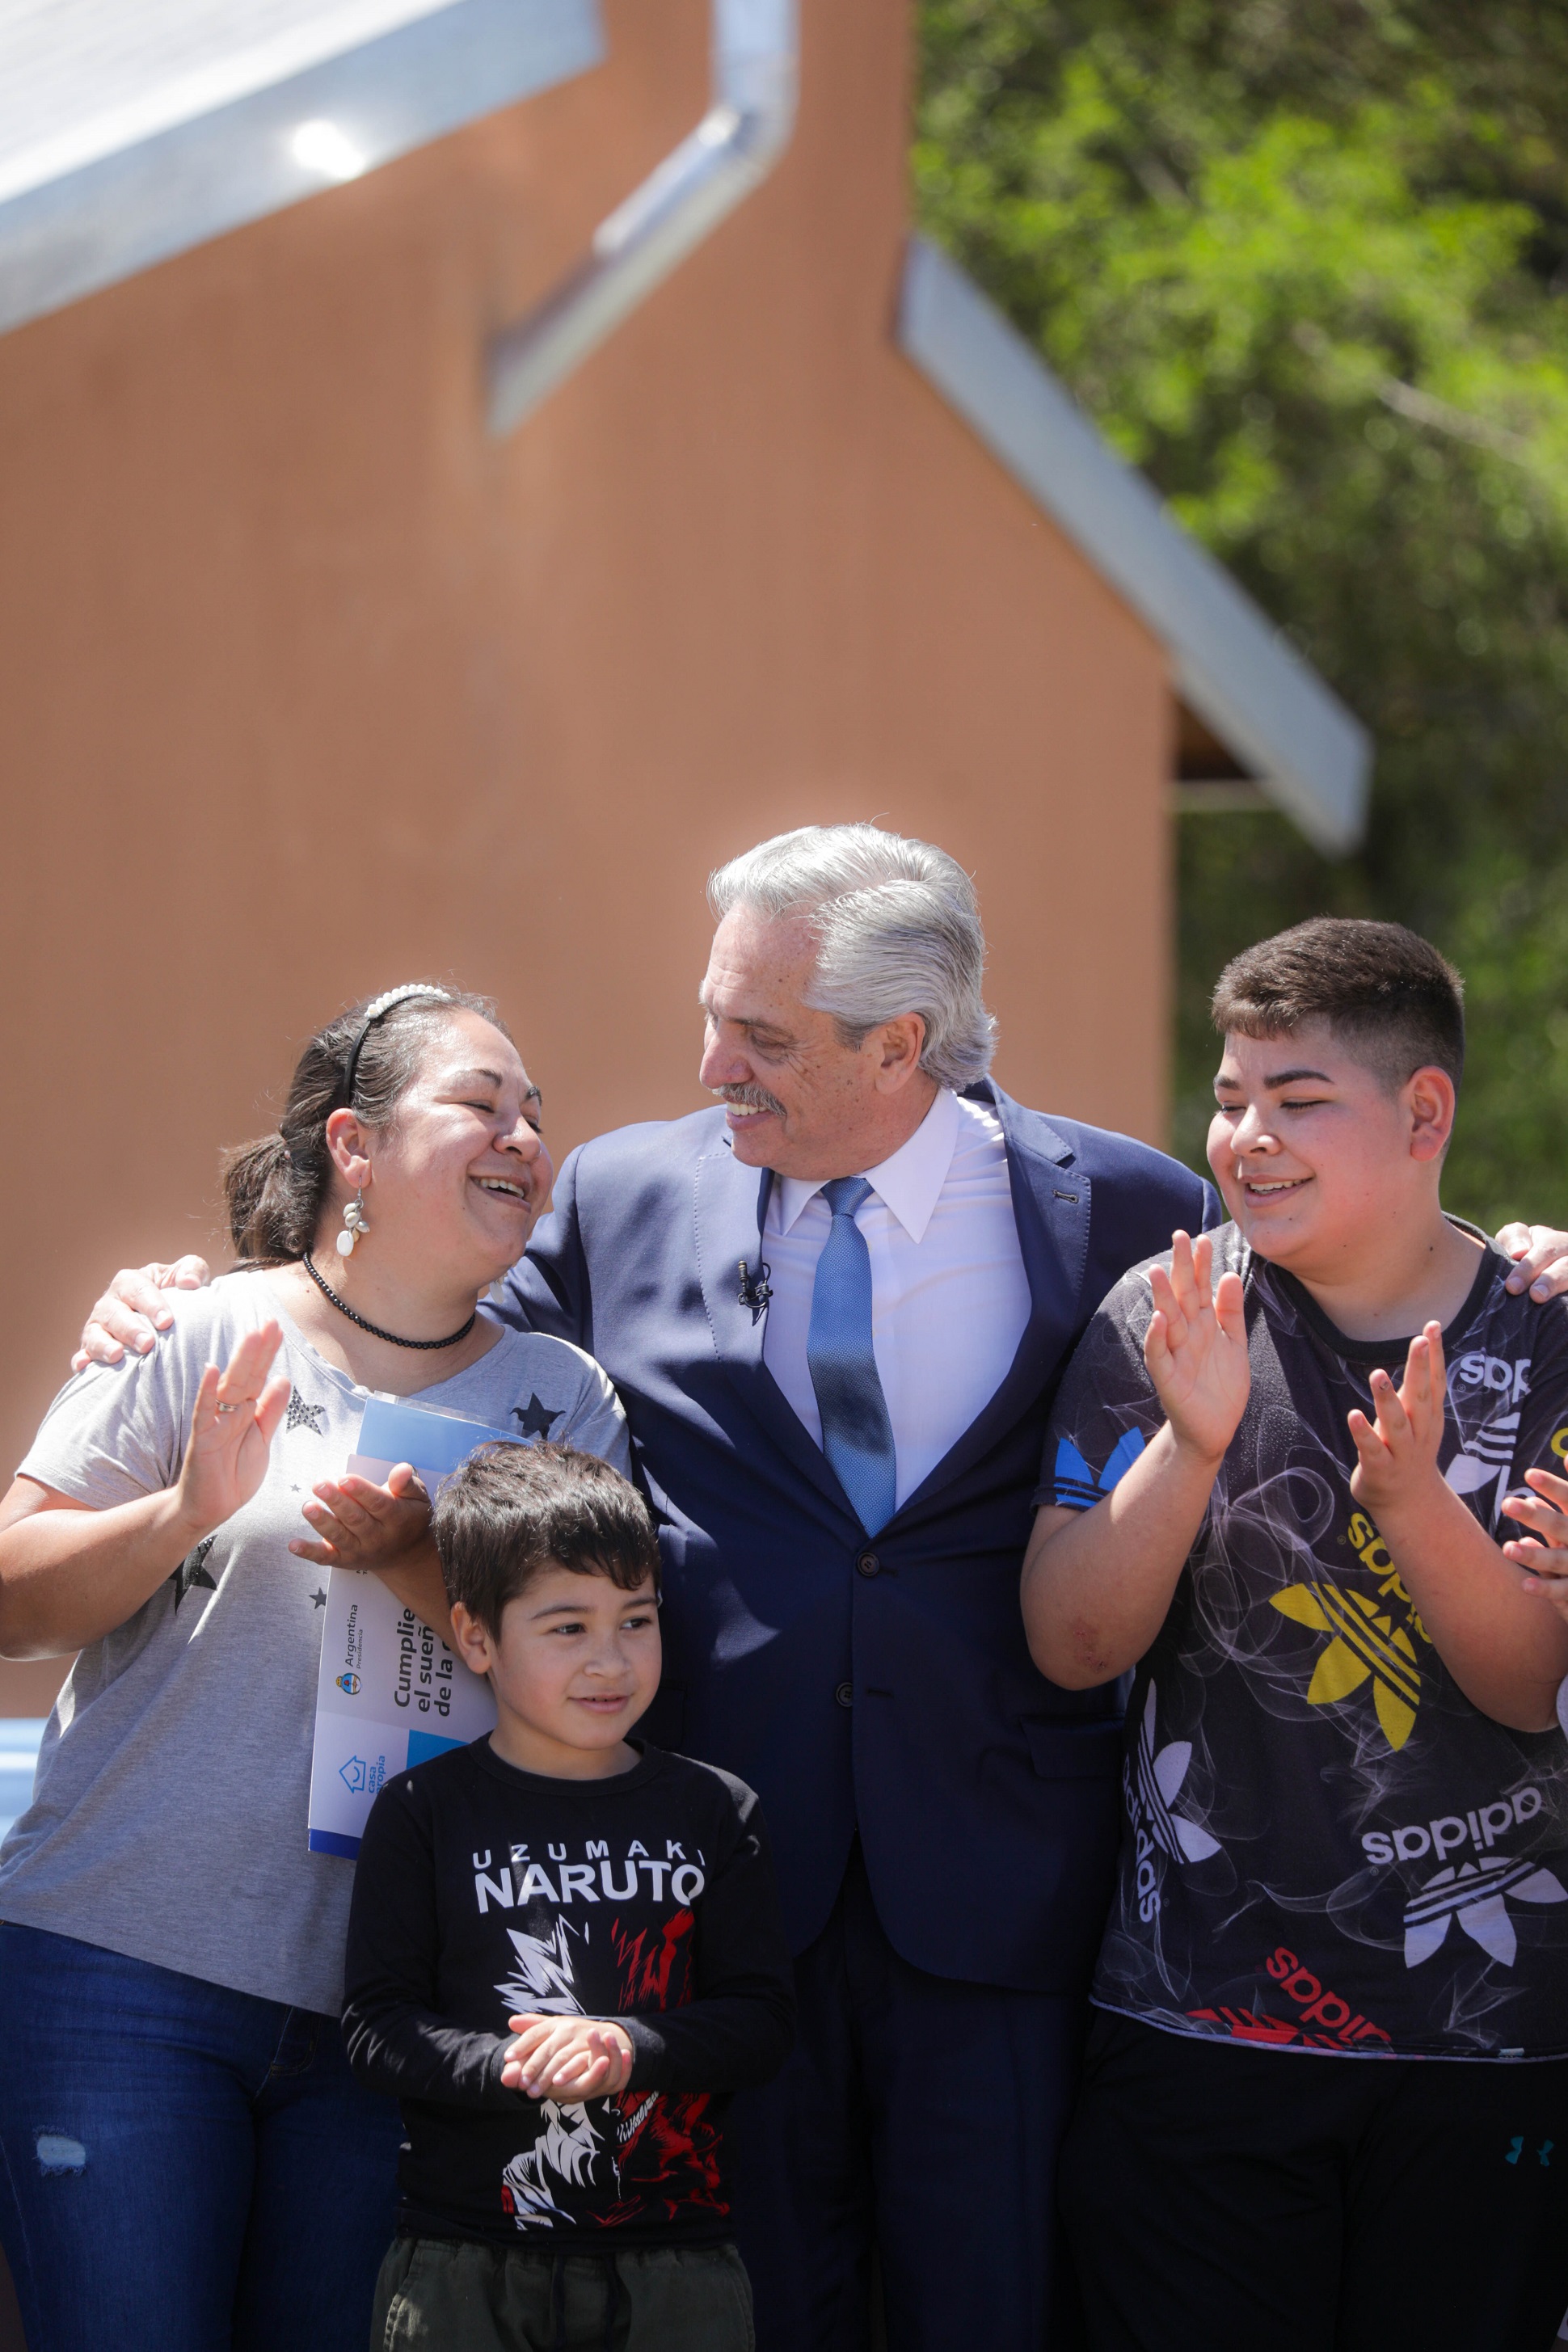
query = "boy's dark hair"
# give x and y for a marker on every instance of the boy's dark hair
(514, 1510)
(1385, 991)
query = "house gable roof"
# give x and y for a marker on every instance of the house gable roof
(128, 135)
(1238, 673)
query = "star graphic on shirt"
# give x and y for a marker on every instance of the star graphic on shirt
(537, 1420)
(319, 1600)
(193, 1571)
(1366, 1645)
(306, 1416)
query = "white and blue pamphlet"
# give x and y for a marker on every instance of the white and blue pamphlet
(390, 1693)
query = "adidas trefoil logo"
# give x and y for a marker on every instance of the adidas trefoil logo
(1159, 1779)
(1077, 1488)
(1474, 1893)
(1487, 1456)
(1365, 1645)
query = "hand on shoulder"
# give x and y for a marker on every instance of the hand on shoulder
(1541, 1254)
(131, 1314)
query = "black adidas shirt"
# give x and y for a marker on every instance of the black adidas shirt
(482, 1892)
(1325, 1845)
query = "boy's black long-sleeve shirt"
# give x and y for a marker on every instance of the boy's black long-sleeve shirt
(483, 1892)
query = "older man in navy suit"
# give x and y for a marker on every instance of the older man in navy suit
(836, 1307)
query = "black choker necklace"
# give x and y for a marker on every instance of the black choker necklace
(374, 1329)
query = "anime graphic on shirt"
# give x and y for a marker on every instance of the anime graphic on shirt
(641, 2142)
(1325, 1844)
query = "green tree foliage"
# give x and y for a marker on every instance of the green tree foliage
(1306, 263)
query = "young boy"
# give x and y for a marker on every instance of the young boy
(1345, 1839)
(612, 1907)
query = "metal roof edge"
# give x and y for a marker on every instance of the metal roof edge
(204, 176)
(1241, 676)
(755, 76)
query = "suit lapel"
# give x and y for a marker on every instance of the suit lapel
(731, 1202)
(1051, 1204)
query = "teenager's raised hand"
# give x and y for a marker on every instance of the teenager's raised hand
(360, 1525)
(1398, 1449)
(238, 1411)
(1195, 1348)
(131, 1314)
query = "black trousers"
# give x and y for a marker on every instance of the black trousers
(1224, 2198)
(919, 2117)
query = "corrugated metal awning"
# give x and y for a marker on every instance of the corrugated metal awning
(131, 130)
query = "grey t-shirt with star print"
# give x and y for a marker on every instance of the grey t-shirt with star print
(168, 1819)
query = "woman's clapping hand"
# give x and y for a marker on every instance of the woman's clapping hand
(360, 1525)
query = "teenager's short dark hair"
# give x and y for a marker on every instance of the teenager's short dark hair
(1385, 991)
(514, 1510)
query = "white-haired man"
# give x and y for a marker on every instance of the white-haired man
(835, 1308)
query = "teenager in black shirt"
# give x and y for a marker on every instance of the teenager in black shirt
(612, 1907)
(1326, 2096)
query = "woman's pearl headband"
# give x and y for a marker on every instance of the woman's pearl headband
(372, 1013)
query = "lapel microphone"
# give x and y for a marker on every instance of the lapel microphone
(754, 1292)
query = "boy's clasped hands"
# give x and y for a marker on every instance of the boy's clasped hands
(567, 2059)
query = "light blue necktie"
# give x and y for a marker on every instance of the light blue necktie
(856, 1435)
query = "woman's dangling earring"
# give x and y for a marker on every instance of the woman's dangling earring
(355, 1225)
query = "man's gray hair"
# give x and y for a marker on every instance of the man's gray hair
(897, 930)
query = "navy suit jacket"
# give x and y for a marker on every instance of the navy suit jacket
(883, 1685)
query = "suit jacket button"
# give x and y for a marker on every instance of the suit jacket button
(845, 1694)
(867, 1563)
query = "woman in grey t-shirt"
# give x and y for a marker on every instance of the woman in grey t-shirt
(187, 2160)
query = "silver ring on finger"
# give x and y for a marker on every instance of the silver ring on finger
(228, 1408)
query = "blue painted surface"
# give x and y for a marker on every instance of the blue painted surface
(19, 1738)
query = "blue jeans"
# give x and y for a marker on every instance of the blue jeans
(182, 2168)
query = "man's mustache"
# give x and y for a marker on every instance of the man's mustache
(750, 1098)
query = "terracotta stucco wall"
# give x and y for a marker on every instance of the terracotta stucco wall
(307, 686)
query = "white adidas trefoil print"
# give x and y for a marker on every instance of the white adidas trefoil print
(1477, 1895)
(1486, 1460)
(1488, 1451)
(1160, 1778)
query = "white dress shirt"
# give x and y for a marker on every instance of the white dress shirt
(950, 1299)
